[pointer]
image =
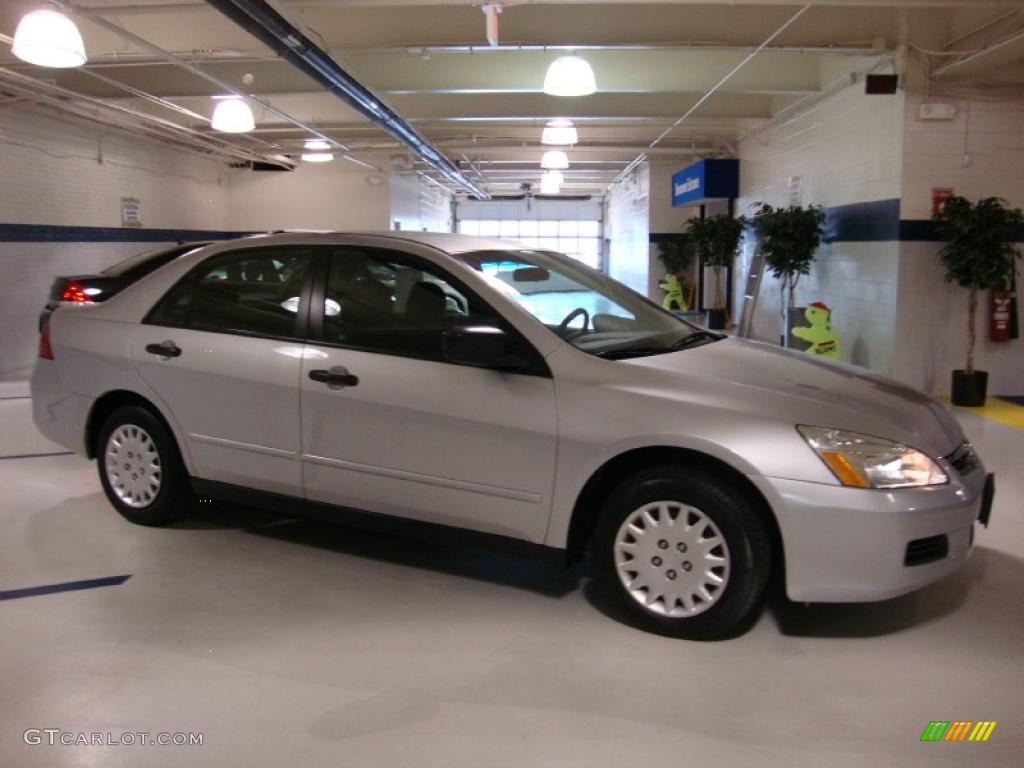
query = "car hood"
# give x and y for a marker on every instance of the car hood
(797, 388)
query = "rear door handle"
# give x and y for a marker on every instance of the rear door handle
(337, 377)
(165, 349)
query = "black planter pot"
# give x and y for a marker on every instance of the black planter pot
(715, 319)
(970, 389)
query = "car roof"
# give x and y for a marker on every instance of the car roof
(442, 241)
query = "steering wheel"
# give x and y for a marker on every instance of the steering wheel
(563, 327)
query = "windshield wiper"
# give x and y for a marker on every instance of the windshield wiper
(697, 338)
(618, 353)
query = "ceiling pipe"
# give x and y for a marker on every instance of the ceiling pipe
(973, 58)
(713, 89)
(264, 23)
(167, 128)
(85, 13)
(137, 128)
(135, 8)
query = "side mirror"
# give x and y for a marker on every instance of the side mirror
(480, 345)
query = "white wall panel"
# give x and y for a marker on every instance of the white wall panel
(335, 195)
(845, 150)
(61, 171)
(979, 154)
(627, 230)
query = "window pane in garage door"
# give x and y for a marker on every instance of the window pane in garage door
(547, 228)
(580, 239)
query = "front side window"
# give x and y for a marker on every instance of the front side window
(585, 307)
(254, 292)
(379, 301)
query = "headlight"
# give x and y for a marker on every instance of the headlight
(863, 461)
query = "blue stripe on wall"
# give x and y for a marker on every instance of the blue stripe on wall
(877, 221)
(47, 233)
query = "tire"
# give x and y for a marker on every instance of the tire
(662, 520)
(148, 484)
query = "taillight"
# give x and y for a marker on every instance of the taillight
(74, 292)
(45, 350)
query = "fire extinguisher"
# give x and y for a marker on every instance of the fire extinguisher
(1004, 313)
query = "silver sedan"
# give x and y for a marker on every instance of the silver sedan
(513, 397)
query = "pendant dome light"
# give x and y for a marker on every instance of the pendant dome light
(559, 132)
(316, 151)
(554, 159)
(569, 75)
(554, 175)
(232, 115)
(550, 184)
(48, 38)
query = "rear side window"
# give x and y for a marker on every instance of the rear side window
(252, 292)
(141, 264)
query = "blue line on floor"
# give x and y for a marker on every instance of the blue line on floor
(36, 455)
(17, 397)
(67, 586)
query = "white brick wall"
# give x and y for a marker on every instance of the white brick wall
(335, 195)
(65, 171)
(931, 336)
(846, 150)
(418, 205)
(626, 227)
(51, 173)
(990, 134)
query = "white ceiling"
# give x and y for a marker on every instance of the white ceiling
(484, 108)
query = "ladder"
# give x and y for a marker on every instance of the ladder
(750, 294)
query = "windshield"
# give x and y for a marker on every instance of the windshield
(142, 264)
(585, 307)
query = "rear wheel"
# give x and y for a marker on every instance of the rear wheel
(682, 553)
(140, 468)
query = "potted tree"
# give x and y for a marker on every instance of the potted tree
(979, 255)
(715, 241)
(676, 255)
(789, 239)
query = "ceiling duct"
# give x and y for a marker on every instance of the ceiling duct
(264, 23)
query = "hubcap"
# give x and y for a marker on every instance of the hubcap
(672, 559)
(133, 466)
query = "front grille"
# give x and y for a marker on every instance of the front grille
(964, 460)
(923, 551)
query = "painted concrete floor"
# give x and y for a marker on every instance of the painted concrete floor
(298, 644)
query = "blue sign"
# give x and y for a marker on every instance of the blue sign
(706, 180)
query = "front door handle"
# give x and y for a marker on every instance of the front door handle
(165, 349)
(337, 377)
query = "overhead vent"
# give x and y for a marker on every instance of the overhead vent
(875, 85)
(256, 165)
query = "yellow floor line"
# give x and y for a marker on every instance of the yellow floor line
(1000, 411)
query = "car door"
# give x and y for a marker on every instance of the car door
(407, 433)
(223, 351)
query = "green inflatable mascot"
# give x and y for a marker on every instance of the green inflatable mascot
(822, 337)
(674, 299)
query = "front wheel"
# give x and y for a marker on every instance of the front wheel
(140, 468)
(682, 553)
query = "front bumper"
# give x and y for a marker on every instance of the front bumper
(850, 545)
